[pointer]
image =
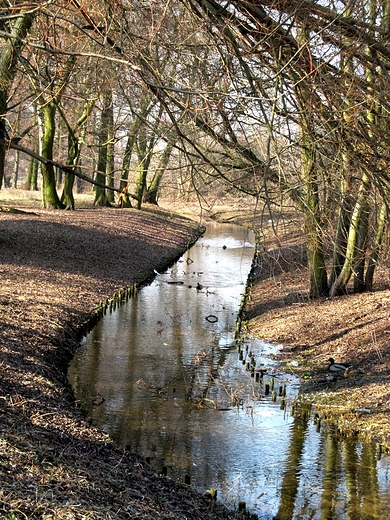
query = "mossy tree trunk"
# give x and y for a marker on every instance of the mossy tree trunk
(143, 154)
(345, 200)
(373, 258)
(67, 197)
(15, 175)
(359, 266)
(31, 181)
(307, 101)
(340, 283)
(139, 119)
(9, 54)
(50, 197)
(312, 219)
(127, 161)
(146, 141)
(47, 115)
(110, 168)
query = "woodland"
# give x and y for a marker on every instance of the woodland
(273, 114)
(284, 102)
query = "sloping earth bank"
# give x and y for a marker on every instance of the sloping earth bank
(55, 268)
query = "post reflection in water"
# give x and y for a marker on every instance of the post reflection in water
(176, 392)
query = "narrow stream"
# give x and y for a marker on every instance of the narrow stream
(163, 377)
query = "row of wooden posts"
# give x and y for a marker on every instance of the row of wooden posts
(241, 324)
(110, 305)
(258, 374)
(241, 327)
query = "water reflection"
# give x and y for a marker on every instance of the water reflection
(163, 377)
(333, 478)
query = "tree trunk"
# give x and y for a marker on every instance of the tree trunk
(378, 242)
(126, 161)
(151, 194)
(343, 218)
(15, 174)
(315, 258)
(310, 203)
(31, 181)
(340, 284)
(144, 156)
(67, 197)
(9, 55)
(140, 183)
(359, 285)
(313, 232)
(110, 155)
(50, 197)
(101, 198)
(139, 119)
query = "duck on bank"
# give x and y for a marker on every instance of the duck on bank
(337, 367)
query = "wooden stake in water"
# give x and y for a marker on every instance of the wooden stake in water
(241, 505)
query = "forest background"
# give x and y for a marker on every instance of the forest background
(278, 107)
(285, 102)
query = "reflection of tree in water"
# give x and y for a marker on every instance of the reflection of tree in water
(362, 481)
(290, 482)
(349, 478)
(329, 482)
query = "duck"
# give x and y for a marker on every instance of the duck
(352, 372)
(337, 367)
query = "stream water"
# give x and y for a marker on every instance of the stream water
(163, 376)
